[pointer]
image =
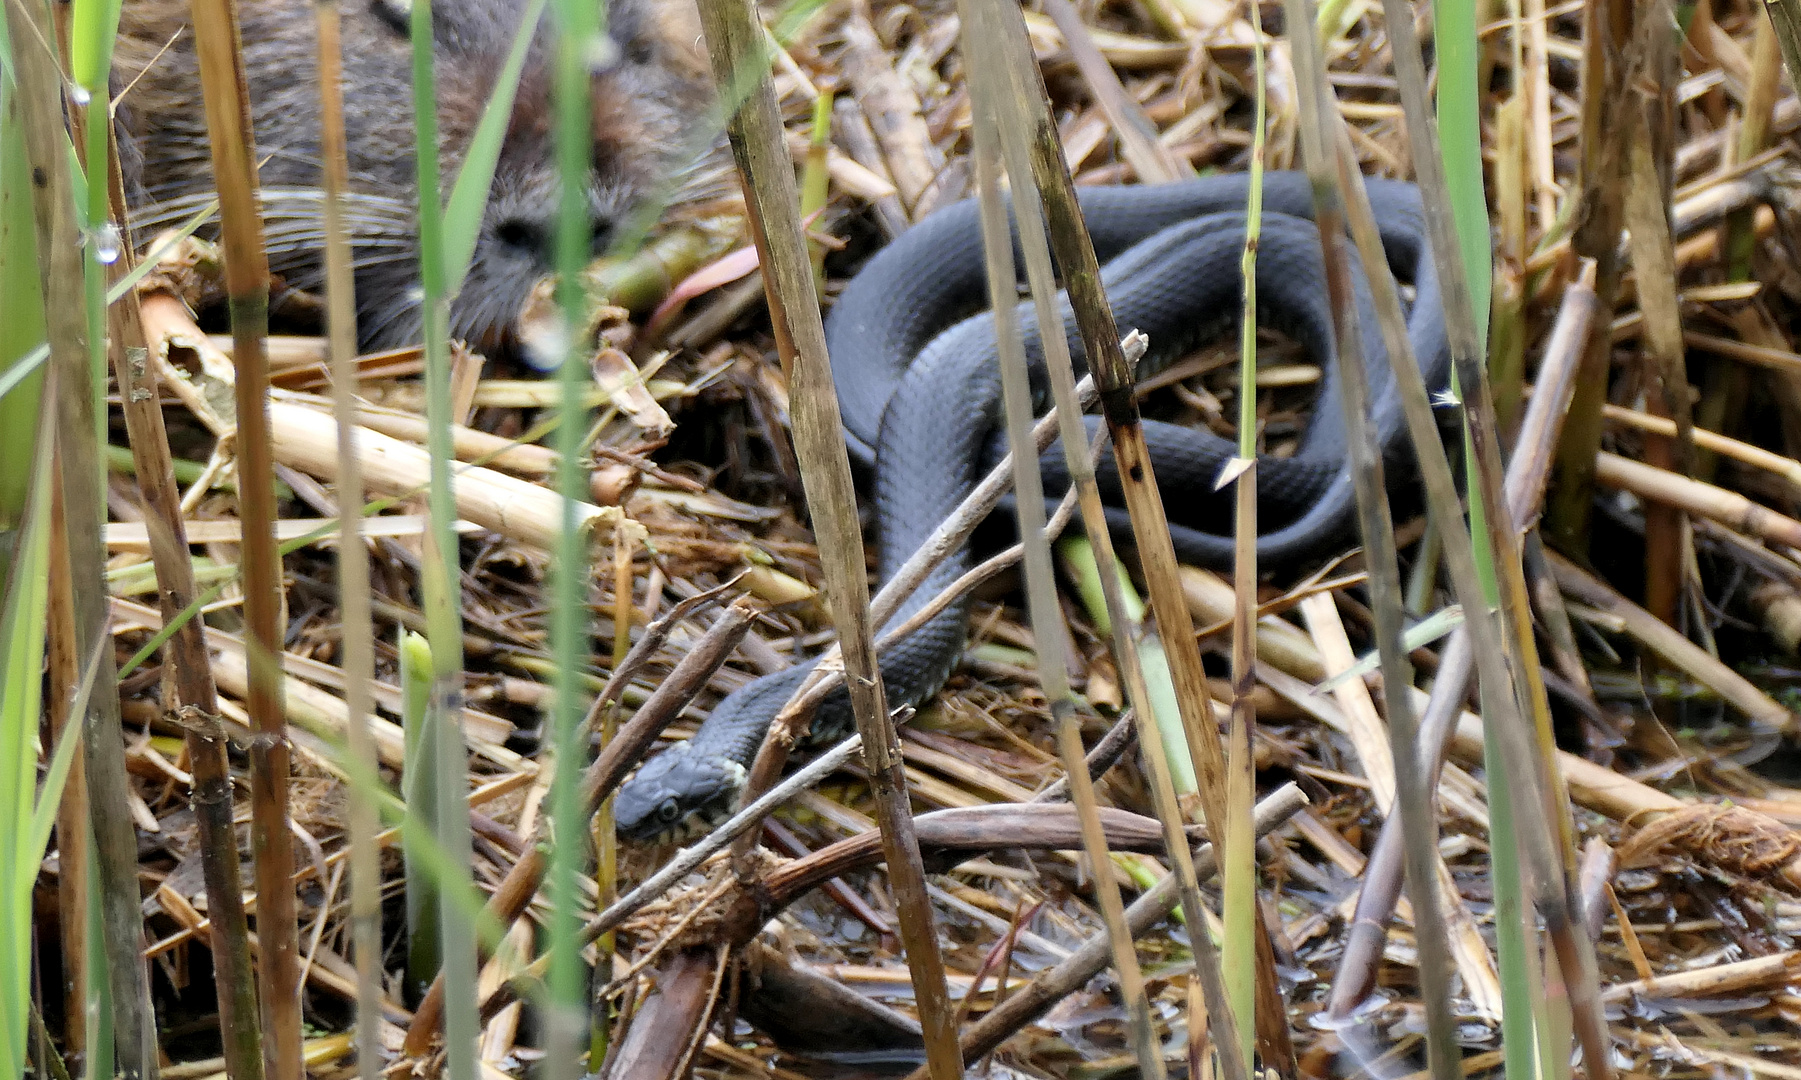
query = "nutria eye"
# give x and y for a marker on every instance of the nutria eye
(668, 811)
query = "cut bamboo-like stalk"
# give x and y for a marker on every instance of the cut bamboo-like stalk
(306, 439)
(1672, 489)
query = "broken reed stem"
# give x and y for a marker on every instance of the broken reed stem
(1328, 169)
(1032, 146)
(195, 707)
(735, 40)
(1043, 610)
(1606, 30)
(1651, 116)
(1540, 801)
(357, 628)
(77, 524)
(215, 27)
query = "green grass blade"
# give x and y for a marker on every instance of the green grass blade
(94, 28)
(21, 328)
(579, 29)
(469, 195)
(23, 626)
(1460, 135)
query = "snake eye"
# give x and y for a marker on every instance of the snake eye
(668, 811)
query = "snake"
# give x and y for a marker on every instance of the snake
(914, 359)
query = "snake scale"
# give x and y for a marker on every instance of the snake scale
(914, 358)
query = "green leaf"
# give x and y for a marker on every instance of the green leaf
(23, 832)
(469, 195)
(1420, 634)
(95, 28)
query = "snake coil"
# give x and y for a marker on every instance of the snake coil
(915, 361)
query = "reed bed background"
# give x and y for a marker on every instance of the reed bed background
(1507, 789)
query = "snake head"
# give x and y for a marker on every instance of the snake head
(676, 793)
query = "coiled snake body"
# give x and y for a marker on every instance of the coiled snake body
(914, 358)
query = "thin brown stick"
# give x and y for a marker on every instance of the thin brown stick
(1332, 165)
(195, 706)
(222, 77)
(1031, 145)
(1043, 610)
(1526, 478)
(353, 557)
(1512, 686)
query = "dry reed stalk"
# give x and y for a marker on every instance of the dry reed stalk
(1781, 361)
(1044, 612)
(522, 459)
(735, 39)
(74, 868)
(358, 631)
(1032, 144)
(1534, 444)
(1664, 488)
(307, 439)
(1148, 157)
(77, 514)
(1745, 453)
(1606, 31)
(222, 77)
(1764, 712)
(1331, 166)
(1547, 837)
(1759, 973)
(195, 707)
(1651, 118)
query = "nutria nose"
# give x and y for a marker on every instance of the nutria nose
(536, 240)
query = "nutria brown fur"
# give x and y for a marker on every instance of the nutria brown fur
(649, 106)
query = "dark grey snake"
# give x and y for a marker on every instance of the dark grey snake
(914, 358)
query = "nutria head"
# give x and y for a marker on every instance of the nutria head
(650, 95)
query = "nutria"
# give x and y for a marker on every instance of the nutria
(650, 97)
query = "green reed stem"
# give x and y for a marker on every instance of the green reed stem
(442, 567)
(578, 38)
